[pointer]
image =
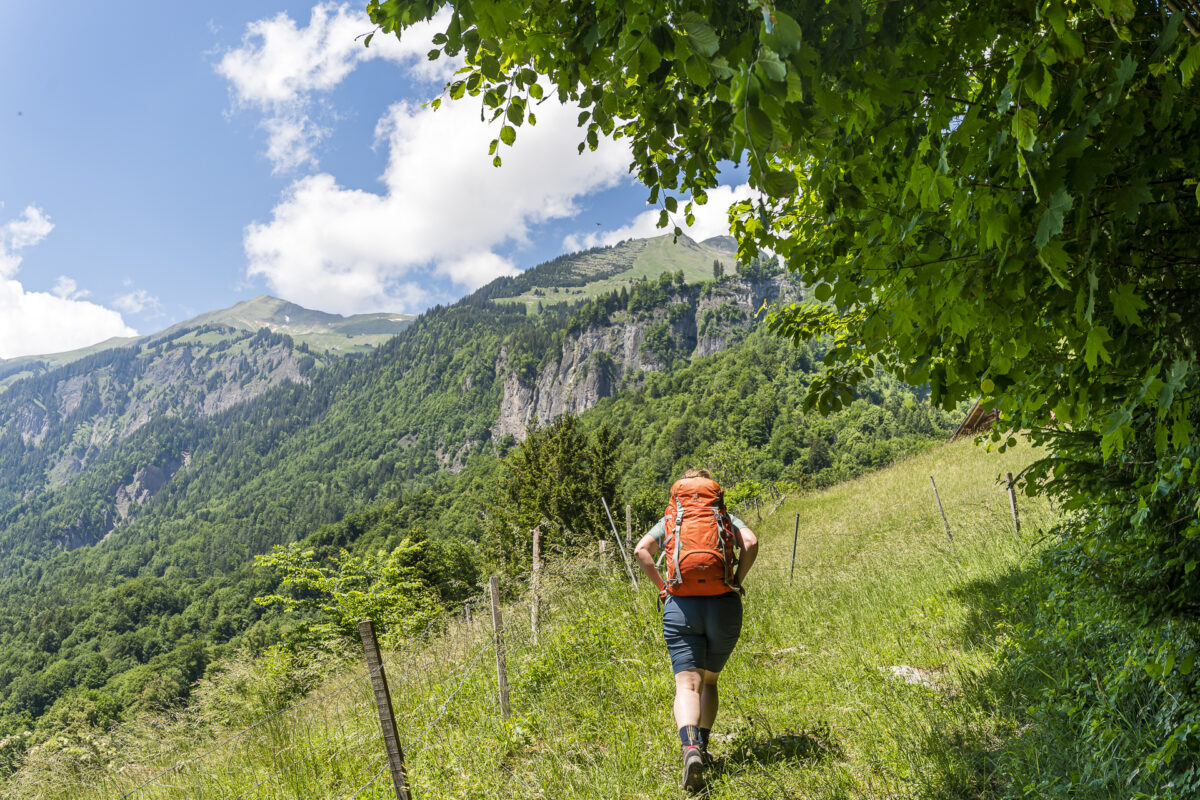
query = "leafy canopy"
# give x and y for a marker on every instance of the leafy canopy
(991, 197)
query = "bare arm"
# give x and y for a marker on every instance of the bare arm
(644, 552)
(749, 553)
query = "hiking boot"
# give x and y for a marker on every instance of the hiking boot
(693, 768)
(705, 755)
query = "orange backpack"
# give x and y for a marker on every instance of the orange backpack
(699, 541)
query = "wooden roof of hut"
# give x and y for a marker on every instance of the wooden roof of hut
(978, 420)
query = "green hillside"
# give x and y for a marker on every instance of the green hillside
(868, 675)
(319, 330)
(592, 273)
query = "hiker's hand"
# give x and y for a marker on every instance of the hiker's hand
(741, 590)
(662, 593)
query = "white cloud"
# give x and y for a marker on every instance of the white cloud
(712, 219)
(25, 231)
(137, 301)
(44, 322)
(444, 210)
(280, 66)
(67, 289)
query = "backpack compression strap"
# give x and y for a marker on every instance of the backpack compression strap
(678, 541)
(725, 534)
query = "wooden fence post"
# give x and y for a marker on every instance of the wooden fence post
(937, 497)
(535, 580)
(1012, 503)
(467, 613)
(383, 702)
(498, 629)
(795, 537)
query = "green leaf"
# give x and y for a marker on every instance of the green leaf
(701, 36)
(508, 135)
(786, 37)
(1055, 259)
(780, 183)
(1039, 85)
(822, 291)
(367, 39)
(1127, 304)
(1094, 349)
(1130, 198)
(697, 71)
(761, 130)
(1024, 128)
(1051, 223)
(515, 114)
(1189, 64)
(774, 69)
(535, 91)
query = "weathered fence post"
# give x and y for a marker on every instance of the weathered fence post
(937, 497)
(467, 613)
(535, 580)
(602, 550)
(1012, 503)
(498, 629)
(795, 537)
(383, 701)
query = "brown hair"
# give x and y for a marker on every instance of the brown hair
(696, 473)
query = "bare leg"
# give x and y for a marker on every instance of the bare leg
(687, 697)
(709, 700)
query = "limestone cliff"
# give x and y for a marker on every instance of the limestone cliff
(598, 359)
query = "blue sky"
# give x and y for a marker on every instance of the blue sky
(157, 165)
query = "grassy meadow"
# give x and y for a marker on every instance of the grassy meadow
(865, 676)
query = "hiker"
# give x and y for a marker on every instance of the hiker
(702, 593)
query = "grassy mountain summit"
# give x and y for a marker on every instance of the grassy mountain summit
(320, 330)
(591, 273)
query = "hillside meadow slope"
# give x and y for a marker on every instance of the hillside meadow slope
(865, 676)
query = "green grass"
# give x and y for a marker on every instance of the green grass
(654, 257)
(810, 707)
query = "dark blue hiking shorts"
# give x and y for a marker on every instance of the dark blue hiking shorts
(701, 631)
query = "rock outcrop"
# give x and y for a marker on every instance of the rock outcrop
(595, 362)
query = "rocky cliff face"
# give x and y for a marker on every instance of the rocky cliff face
(55, 424)
(695, 322)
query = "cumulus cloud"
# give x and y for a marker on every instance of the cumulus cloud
(443, 211)
(712, 219)
(45, 322)
(25, 231)
(137, 301)
(280, 68)
(67, 289)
